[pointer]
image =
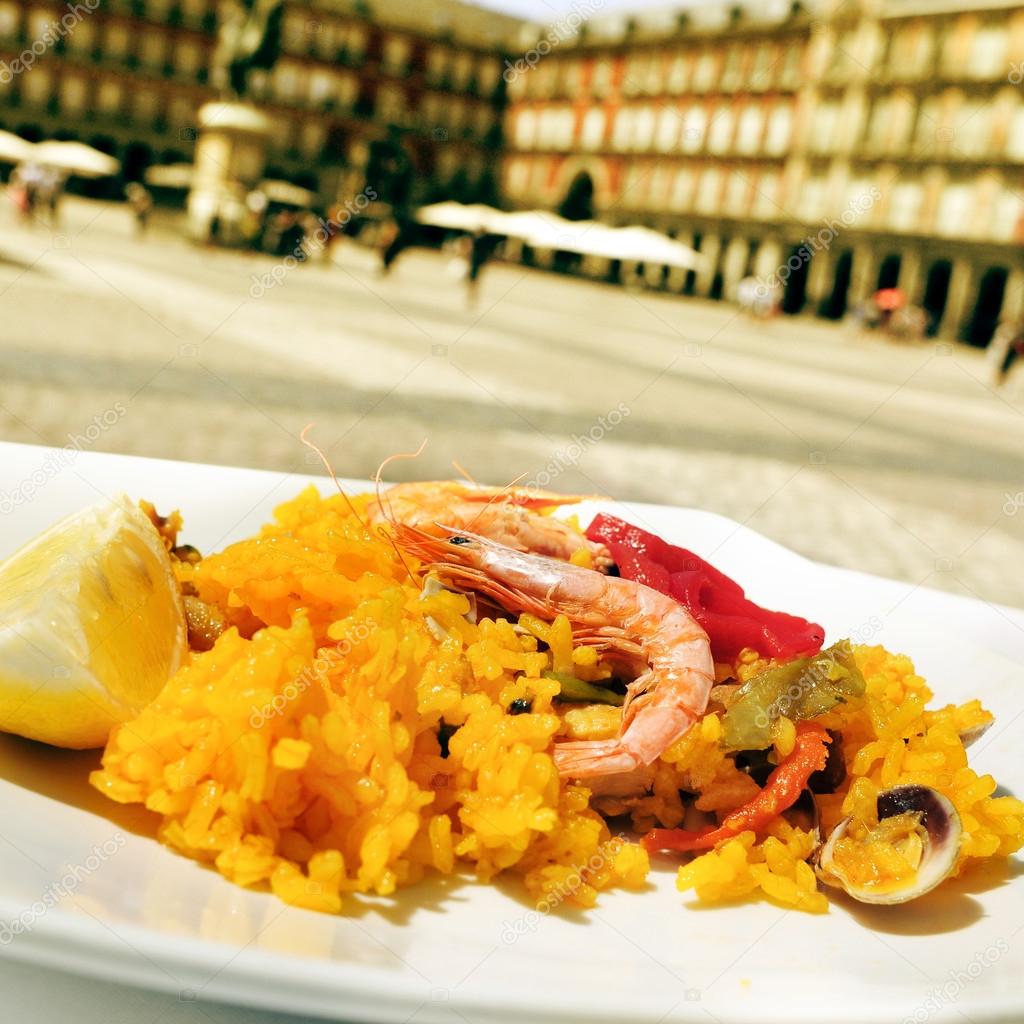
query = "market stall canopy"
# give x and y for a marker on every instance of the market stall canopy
(592, 238)
(170, 175)
(462, 217)
(14, 149)
(287, 194)
(75, 158)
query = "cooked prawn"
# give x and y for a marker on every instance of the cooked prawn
(636, 623)
(505, 515)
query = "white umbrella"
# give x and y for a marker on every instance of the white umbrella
(14, 149)
(462, 216)
(591, 238)
(170, 175)
(287, 193)
(646, 245)
(75, 158)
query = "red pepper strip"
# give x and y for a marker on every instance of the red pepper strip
(780, 792)
(732, 621)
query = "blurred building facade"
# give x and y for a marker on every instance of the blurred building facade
(837, 148)
(128, 77)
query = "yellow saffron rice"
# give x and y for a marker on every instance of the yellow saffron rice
(347, 736)
(307, 758)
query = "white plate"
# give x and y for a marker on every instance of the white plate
(454, 950)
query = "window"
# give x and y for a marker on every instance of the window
(705, 75)
(462, 70)
(737, 188)
(762, 73)
(348, 90)
(678, 73)
(988, 51)
(780, 130)
(36, 87)
(1008, 217)
(749, 129)
(390, 102)
(488, 73)
(695, 123)
(622, 133)
(110, 94)
(1015, 141)
(321, 86)
(395, 52)
(437, 63)
(824, 127)
(152, 47)
(80, 40)
(73, 92)
(766, 196)
(669, 123)
(732, 69)
(720, 130)
(955, 210)
(312, 136)
(295, 32)
(602, 80)
(709, 190)
(682, 189)
(789, 76)
(188, 58)
(592, 133)
(115, 43)
(812, 199)
(905, 201)
(10, 18)
(643, 135)
(145, 105)
(517, 177)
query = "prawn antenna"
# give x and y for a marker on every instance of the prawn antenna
(384, 503)
(464, 473)
(330, 469)
(499, 495)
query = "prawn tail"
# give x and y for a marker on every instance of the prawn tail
(580, 759)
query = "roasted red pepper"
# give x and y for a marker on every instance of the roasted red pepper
(718, 603)
(780, 792)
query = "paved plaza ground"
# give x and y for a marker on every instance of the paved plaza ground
(898, 460)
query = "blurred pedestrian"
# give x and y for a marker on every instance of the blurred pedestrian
(396, 237)
(140, 202)
(481, 248)
(49, 192)
(1006, 346)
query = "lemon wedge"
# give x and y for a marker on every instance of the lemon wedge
(91, 626)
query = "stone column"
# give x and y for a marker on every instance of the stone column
(767, 260)
(864, 273)
(820, 279)
(710, 249)
(734, 262)
(910, 275)
(958, 299)
(1013, 296)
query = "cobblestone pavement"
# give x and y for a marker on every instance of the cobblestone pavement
(898, 460)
